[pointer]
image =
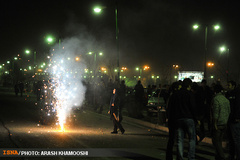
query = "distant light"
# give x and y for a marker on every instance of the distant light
(100, 54)
(137, 68)
(222, 49)
(175, 77)
(97, 10)
(90, 53)
(216, 27)
(8, 62)
(27, 51)
(103, 69)
(195, 26)
(152, 76)
(212, 77)
(49, 39)
(15, 58)
(77, 58)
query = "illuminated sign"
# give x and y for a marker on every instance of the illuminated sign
(195, 76)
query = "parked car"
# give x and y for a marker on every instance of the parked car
(156, 102)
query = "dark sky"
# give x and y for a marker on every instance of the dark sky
(154, 32)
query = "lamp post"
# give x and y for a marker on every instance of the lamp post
(94, 72)
(223, 49)
(98, 10)
(34, 58)
(215, 27)
(51, 39)
(140, 69)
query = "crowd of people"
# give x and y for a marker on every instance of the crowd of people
(190, 106)
(192, 109)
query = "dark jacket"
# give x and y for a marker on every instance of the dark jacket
(114, 109)
(183, 105)
(234, 98)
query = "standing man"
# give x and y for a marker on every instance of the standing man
(183, 106)
(139, 95)
(203, 98)
(115, 113)
(220, 114)
(171, 121)
(21, 87)
(233, 95)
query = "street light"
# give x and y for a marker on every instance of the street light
(140, 69)
(51, 39)
(210, 64)
(98, 10)
(34, 56)
(223, 49)
(215, 27)
(27, 51)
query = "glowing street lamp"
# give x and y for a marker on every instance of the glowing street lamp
(223, 49)
(51, 39)
(98, 10)
(195, 26)
(77, 59)
(27, 51)
(146, 67)
(34, 56)
(215, 27)
(210, 64)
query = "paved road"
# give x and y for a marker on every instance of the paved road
(19, 117)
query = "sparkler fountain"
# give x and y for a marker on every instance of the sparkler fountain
(66, 81)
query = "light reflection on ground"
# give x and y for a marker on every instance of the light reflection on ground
(44, 129)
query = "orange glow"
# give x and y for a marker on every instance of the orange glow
(175, 66)
(103, 69)
(124, 68)
(146, 67)
(210, 64)
(77, 58)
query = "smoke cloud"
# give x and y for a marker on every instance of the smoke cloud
(66, 68)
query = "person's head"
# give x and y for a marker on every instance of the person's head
(139, 82)
(187, 83)
(194, 87)
(175, 86)
(218, 88)
(204, 82)
(123, 82)
(232, 85)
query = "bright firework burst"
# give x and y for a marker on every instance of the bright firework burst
(66, 82)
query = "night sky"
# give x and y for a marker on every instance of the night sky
(154, 32)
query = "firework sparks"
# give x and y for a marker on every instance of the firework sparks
(65, 83)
